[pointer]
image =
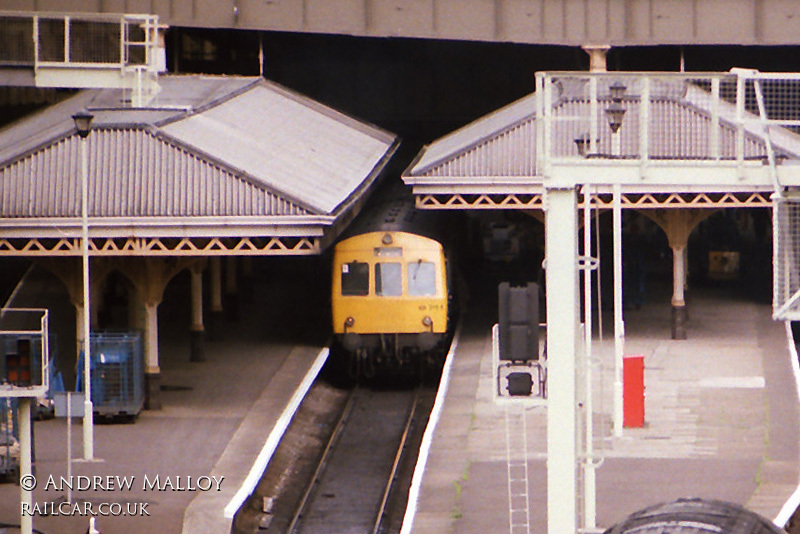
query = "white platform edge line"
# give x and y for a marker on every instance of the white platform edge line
(264, 457)
(794, 500)
(427, 438)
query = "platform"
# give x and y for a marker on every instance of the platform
(216, 419)
(721, 416)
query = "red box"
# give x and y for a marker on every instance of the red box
(633, 391)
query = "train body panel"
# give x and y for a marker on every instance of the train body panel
(394, 288)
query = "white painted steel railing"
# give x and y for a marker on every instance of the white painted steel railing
(737, 119)
(85, 50)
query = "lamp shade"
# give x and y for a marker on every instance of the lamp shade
(83, 122)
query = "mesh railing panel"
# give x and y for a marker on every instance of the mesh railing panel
(655, 116)
(786, 261)
(51, 40)
(80, 39)
(16, 40)
(94, 42)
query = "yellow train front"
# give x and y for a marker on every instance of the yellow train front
(390, 300)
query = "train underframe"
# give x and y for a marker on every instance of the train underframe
(371, 355)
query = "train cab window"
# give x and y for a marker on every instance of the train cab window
(421, 278)
(388, 279)
(355, 279)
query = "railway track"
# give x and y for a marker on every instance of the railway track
(360, 482)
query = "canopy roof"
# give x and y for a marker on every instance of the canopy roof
(209, 157)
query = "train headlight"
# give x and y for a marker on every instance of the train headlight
(386, 239)
(427, 321)
(349, 321)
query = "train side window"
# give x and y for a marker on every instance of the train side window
(355, 279)
(388, 279)
(421, 278)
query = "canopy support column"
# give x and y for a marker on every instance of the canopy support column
(215, 312)
(678, 224)
(197, 329)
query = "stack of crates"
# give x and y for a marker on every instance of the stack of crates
(117, 369)
(9, 438)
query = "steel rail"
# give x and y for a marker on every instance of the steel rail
(323, 463)
(396, 464)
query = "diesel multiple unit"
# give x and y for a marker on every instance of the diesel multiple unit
(390, 289)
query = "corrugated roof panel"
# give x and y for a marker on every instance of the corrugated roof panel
(470, 136)
(129, 176)
(312, 154)
(232, 147)
(510, 153)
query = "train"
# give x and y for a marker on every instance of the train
(391, 290)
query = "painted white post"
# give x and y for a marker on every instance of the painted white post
(593, 108)
(616, 143)
(740, 96)
(713, 137)
(561, 237)
(69, 446)
(619, 323)
(88, 409)
(25, 464)
(644, 127)
(589, 483)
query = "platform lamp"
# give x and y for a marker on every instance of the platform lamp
(614, 114)
(583, 142)
(83, 124)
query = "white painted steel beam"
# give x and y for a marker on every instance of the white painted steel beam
(267, 246)
(168, 227)
(672, 176)
(529, 201)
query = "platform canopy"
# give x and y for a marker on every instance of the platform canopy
(212, 166)
(683, 140)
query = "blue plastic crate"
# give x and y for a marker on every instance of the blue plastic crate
(117, 373)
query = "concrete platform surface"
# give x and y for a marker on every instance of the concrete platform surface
(216, 417)
(721, 421)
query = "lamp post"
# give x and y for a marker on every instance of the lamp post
(83, 124)
(614, 114)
